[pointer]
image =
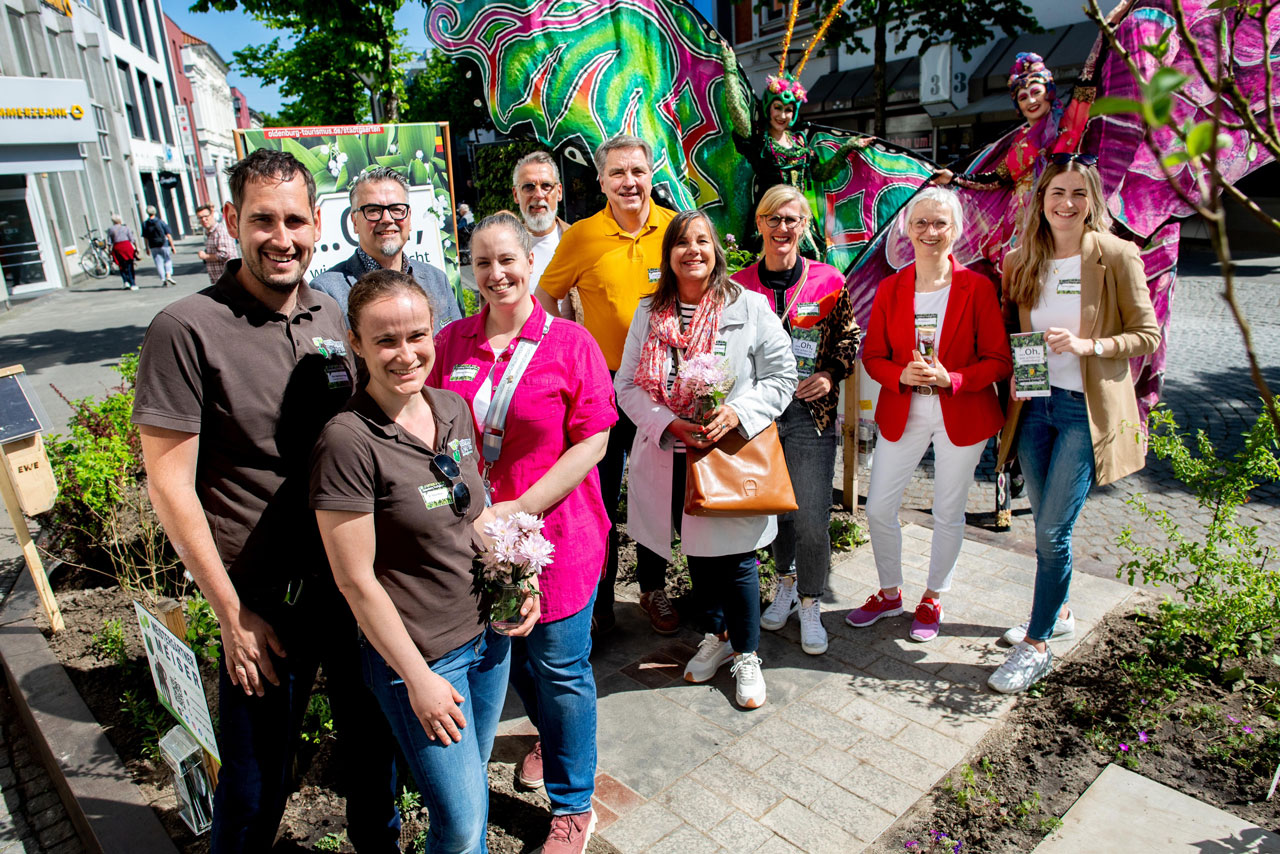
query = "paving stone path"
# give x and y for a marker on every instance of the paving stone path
(847, 740)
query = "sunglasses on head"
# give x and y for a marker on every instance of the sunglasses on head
(448, 467)
(1062, 158)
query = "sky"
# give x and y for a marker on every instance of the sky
(230, 31)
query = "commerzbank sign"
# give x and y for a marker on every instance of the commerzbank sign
(39, 110)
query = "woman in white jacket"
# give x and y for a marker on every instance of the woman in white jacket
(696, 310)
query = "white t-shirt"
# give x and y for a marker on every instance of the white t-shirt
(544, 248)
(1059, 307)
(931, 310)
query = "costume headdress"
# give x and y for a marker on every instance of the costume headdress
(785, 87)
(1029, 68)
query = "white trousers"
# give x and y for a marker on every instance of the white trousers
(891, 469)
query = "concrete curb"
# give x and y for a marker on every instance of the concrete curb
(106, 808)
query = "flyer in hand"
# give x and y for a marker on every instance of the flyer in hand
(1030, 364)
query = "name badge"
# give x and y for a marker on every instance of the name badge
(654, 273)
(720, 348)
(337, 376)
(435, 495)
(1069, 287)
(807, 309)
(463, 373)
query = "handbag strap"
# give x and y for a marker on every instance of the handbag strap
(495, 421)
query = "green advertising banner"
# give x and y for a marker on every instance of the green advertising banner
(336, 154)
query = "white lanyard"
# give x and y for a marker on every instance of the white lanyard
(496, 418)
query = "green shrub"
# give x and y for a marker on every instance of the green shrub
(204, 635)
(110, 645)
(1225, 601)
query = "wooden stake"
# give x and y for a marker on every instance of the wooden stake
(29, 551)
(849, 498)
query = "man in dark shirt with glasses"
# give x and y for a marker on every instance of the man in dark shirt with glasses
(382, 220)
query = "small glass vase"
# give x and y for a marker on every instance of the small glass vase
(504, 613)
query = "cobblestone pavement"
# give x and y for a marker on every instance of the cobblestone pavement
(32, 817)
(1207, 386)
(847, 741)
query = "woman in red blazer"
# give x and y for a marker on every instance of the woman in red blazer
(936, 344)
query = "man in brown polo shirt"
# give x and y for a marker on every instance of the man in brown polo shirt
(234, 385)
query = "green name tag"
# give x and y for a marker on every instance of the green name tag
(654, 273)
(1068, 287)
(720, 348)
(435, 495)
(807, 309)
(463, 373)
(337, 376)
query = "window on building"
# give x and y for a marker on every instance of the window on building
(113, 16)
(162, 106)
(83, 54)
(61, 209)
(131, 19)
(773, 16)
(146, 27)
(144, 95)
(130, 100)
(20, 44)
(55, 55)
(90, 5)
(111, 90)
(104, 142)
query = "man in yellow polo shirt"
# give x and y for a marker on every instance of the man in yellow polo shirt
(613, 259)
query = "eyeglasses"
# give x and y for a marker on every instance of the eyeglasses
(546, 187)
(922, 225)
(1062, 158)
(774, 221)
(446, 465)
(373, 213)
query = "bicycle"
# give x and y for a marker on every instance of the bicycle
(96, 260)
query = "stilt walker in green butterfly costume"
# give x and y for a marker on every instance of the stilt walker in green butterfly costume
(777, 145)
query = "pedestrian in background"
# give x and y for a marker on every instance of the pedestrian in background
(124, 250)
(219, 248)
(1087, 292)
(937, 346)
(815, 309)
(697, 310)
(159, 238)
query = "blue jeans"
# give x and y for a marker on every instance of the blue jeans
(163, 258)
(258, 736)
(453, 779)
(726, 587)
(1056, 453)
(130, 281)
(803, 546)
(551, 671)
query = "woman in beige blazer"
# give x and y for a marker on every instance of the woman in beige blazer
(1086, 291)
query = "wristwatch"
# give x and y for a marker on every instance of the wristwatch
(1097, 346)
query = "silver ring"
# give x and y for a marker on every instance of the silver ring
(240, 667)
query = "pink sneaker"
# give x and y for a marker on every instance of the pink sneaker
(928, 621)
(873, 609)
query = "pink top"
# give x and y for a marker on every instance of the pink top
(565, 396)
(811, 299)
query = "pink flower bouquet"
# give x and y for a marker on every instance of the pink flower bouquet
(708, 379)
(509, 570)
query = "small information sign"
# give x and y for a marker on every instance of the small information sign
(176, 672)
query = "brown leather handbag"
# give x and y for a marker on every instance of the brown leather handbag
(739, 477)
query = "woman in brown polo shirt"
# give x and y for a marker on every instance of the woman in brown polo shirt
(397, 492)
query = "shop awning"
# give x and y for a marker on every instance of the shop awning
(21, 159)
(841, 91)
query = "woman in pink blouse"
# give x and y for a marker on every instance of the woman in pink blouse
(556, 431)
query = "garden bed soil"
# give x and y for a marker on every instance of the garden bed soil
(1051, 744)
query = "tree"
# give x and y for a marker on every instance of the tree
(966, 24)
(321, 92)
(1238, 111)
(447, 90)
(353, 42)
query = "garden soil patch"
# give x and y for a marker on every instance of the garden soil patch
(1045, 746)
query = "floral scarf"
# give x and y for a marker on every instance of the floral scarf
(664, 332)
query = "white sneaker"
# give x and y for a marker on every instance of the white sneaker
(750, 680)
(1023, 668)
(813, 637)
(711, 655)
(785, 602)
(1062, 629)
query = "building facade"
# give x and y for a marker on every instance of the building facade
(213, 115)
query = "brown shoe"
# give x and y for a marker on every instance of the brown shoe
(529, 774)
(662, 617)
(570, 833)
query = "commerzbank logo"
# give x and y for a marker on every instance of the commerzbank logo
(75, 111)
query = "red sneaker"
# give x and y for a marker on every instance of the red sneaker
(570, 833)
(928, 621)
(529, 774)
(873, 609)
